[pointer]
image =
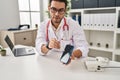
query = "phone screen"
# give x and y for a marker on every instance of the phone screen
(65, 58)
(66, 54)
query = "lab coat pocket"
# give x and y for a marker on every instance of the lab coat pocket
(63, 44)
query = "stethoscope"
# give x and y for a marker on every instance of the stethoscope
(65, 30)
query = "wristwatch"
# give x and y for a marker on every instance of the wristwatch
(47, 46)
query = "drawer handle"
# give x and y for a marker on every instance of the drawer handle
(24, 38)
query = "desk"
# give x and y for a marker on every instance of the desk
(36, 67)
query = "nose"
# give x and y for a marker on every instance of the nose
(57, 13)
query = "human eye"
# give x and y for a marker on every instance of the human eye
(61, 10)
(53, 9)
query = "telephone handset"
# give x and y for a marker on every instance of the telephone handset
(20, 27)
(25, 26)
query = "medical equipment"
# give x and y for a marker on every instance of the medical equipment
(96, 64)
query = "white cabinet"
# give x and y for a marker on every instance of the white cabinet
(101, 30)
(20, 37)
(117, 45)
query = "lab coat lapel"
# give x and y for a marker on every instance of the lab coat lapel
(61, 30)
(63, 33)
(51, 32)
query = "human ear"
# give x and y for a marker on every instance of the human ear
(49, 8)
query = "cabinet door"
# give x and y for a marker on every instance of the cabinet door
(24, 38)
(106, 3)
(117, 2)
(90, 3)
(34, 36)
(76, 4)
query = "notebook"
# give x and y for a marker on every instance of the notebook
(22, 51)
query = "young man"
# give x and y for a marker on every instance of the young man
(55, 33)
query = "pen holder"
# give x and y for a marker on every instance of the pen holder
(3, 53)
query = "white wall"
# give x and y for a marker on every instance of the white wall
(9, 14)
(45, 8)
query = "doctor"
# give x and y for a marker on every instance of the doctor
(55, 33)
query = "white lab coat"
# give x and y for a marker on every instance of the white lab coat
(75, 32)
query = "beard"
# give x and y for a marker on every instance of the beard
(57, 20)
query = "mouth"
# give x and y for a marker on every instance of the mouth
(57, 18)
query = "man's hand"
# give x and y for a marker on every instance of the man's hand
(53, 43)
(77, 53)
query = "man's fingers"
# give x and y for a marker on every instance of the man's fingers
(54, 43)
(72, 57)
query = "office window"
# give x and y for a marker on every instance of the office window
(29, 11)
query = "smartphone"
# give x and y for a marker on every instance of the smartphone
(66, 54)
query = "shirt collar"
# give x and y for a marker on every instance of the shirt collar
(59, 27)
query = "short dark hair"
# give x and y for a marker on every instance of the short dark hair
(65, 1)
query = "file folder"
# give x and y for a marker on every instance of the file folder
(76, 4)
(90, 3)
(106, 3)
(117, 2)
